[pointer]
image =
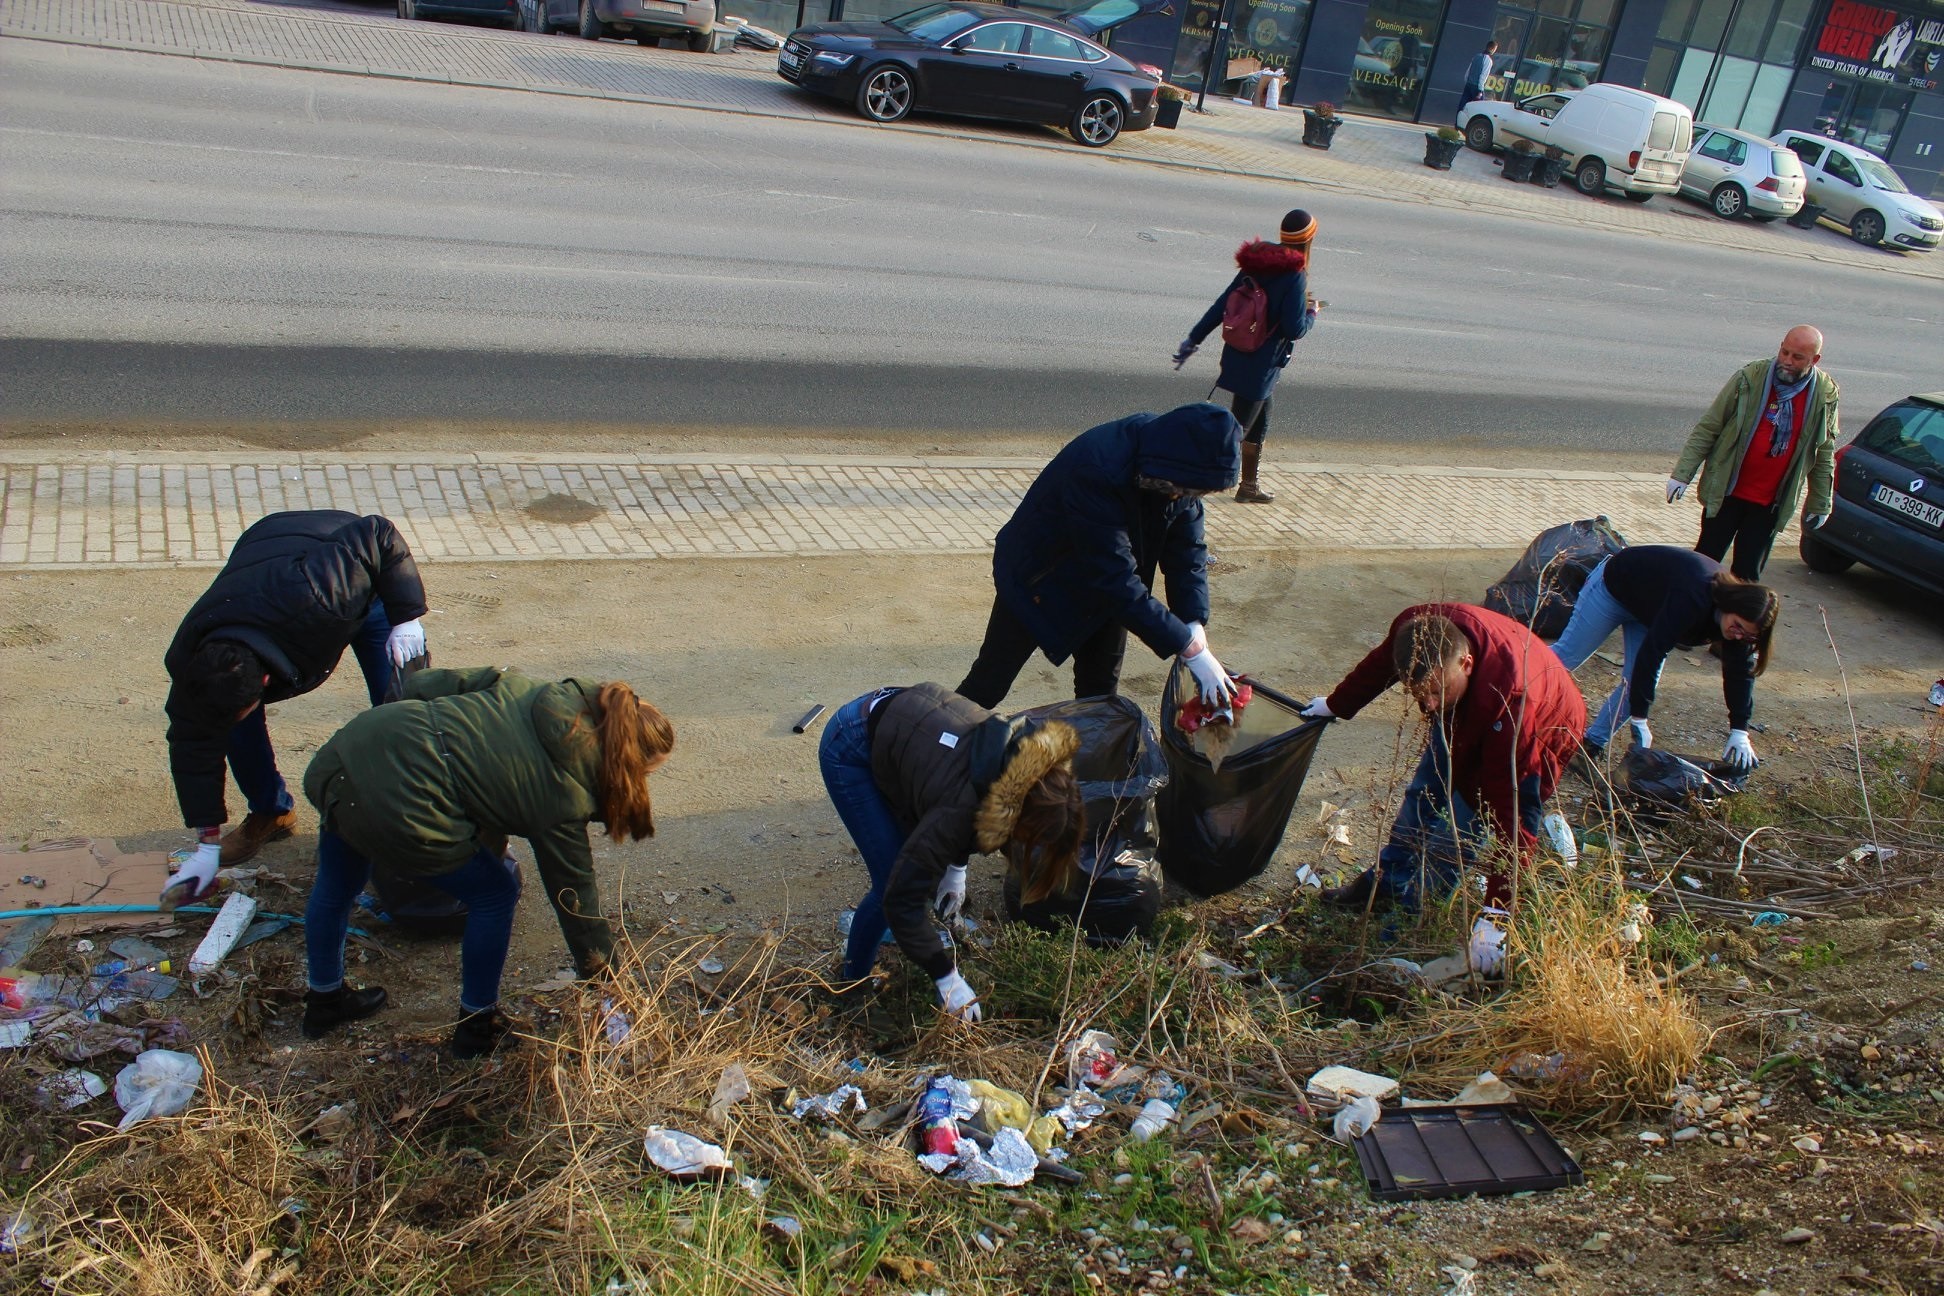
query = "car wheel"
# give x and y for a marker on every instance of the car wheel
(408, 8)
(1098, 122)
(590, 25)
(1478, 134)
(537, 22)
(1590, 179)
(701, 42)
(886, 93)
(1866, 227)
(1728, 201)
(1819, 557)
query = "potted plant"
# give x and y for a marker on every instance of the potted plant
(1520, 161)
(1550, 168)
(1167, 113)
(1320, 124)
(1441, 147)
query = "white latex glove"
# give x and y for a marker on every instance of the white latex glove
(1318, 709)
(200, 870)
(1642, 735)
(1814, 521)
(1675, 489)
(1183, 351)
(407, 641)
(951, 894)
(958, 998)
(1211, 681)
(1486, 950)
(1739, 752)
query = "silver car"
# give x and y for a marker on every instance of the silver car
(1739, 174)
(1858, 189)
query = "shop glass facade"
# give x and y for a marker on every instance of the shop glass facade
(1731, 61)
(1550, 45)
(1393, 54)
(1262, 34)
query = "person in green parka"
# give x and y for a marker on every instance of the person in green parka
(430, 788)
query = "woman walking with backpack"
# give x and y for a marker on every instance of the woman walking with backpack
(1263, 312)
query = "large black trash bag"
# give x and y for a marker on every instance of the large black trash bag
(1220, 828)
(1656, 780)
(1120, 767)
(1543, 585)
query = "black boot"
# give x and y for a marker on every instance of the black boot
(479, 1033)
(1357, 893)
(326, 1010)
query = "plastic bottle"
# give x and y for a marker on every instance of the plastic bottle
(1156, 1115)
(939, 1129)
(21, 989)
(1560, 834)
(123, 965)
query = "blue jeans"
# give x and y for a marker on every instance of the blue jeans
(1595, 615)
(486, 884)
(845, 755)
(1436, 830)
(251, 758)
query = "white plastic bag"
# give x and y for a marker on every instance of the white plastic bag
(683, 1156)
(1355, 1117)
(159, 1082)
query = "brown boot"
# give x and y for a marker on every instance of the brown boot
(254, 833)
(1249, 492)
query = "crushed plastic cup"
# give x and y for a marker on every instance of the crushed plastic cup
(1354, 1119)
(1156, 1115)
(683, 1156)
(1092, 1060)
(1559, 835)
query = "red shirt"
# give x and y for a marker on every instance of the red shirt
(1521, 715)
(1761, 472)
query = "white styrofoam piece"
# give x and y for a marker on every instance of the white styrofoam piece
(234, 917)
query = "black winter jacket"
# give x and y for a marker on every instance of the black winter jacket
(955, 776)
(295, 591)
(1668, 590)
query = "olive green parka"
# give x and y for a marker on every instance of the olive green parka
(414, 786)
(1720, 439)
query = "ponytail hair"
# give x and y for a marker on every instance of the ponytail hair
(1754, 603)
(635, 739)
(1044, 849)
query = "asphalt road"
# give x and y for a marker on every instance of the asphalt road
(195, 243)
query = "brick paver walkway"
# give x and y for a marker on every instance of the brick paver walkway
(173, 510)
(1381, 159)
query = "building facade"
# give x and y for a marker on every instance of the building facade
(1867, 73)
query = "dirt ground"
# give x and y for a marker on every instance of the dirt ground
(736, 651)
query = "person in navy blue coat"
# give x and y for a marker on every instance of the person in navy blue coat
(1282, 270)
(1074, 567)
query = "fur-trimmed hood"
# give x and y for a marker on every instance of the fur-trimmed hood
(1034, 750)
(1259, 258)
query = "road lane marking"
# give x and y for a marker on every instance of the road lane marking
(285, 153)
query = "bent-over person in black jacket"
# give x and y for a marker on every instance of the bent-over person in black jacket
(298, 589)
(922, 777)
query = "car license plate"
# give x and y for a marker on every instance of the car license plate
(660, 6)
(789, 60)
(1929, 514)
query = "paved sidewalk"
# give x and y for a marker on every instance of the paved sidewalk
(1376, 158)
(186, 510)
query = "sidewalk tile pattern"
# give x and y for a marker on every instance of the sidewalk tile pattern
(176, 511)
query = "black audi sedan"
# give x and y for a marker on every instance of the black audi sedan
(1889, 501)
(982, 60)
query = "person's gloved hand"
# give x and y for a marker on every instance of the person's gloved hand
(1814, 521)
(197, 876)
(951, 894)
(1211, 681)
(1486, 949)
(1318, 709)
(407, 641)
(1643, 736)
(958, 998)
(1739, 752)
(1675, 489)
(1183, 351)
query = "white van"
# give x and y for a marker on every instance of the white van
(1613, 137)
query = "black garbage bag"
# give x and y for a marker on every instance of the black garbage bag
(1542, 586)
(1120, 768)
(1220, 828)
(1656, 780)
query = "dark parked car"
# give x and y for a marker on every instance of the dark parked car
(495, 11)
(646, 21)
(1889, 508)
(982, 60)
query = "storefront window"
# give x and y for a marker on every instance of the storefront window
(1262, 34)
(1561, 45)
(1392, 56)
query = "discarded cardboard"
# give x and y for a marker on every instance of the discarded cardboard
(83, 871)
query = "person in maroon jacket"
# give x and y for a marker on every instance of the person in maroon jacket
(1506, 717)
